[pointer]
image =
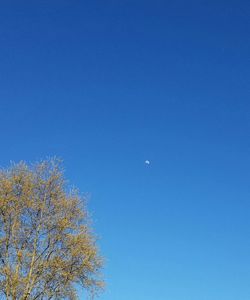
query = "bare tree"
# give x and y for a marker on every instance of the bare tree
(46, 246)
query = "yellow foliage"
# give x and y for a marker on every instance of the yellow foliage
(46, 245)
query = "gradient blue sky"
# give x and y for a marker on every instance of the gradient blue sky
(108, 84)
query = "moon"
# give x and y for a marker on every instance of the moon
(147, 162)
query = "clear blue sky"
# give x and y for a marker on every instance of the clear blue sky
(109, 84)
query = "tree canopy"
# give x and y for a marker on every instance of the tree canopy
(47, 247)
